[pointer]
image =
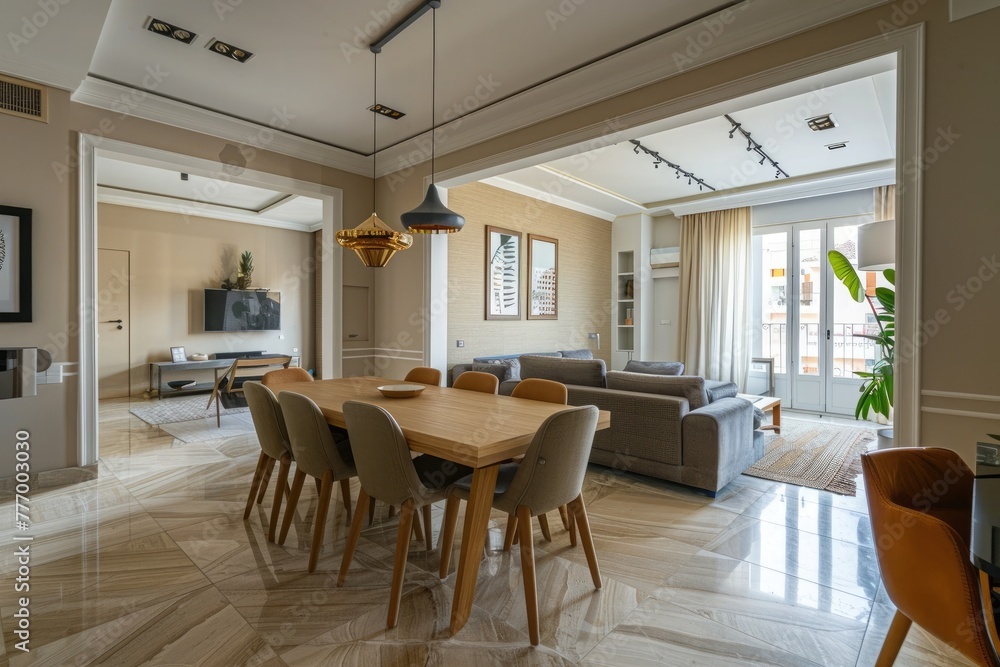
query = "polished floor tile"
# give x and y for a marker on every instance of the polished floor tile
(146, 559)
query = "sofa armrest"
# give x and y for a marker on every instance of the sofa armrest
(507, 387)
(646, 426)
(457, 370)
(718, 441)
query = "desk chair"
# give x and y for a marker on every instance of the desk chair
(231, 384)
(920, 502)
(550, 475)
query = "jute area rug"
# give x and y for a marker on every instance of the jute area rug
(171, 410)
(815, 455)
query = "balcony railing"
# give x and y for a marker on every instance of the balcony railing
(850, 353)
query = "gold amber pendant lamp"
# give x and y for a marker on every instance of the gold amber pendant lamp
(373, 241)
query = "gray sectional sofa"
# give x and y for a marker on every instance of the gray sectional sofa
(681, 428)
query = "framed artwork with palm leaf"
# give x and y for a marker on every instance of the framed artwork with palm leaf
(503, 274)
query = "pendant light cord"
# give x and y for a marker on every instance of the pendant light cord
(374, 125)
(434, 16)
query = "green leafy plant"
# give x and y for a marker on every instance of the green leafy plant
(876, 390)
(244, 278)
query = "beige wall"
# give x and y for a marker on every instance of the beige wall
(172, 262)
(960, 200)
(38, 171)
(584, 267)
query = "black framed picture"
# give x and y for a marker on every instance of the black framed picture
(503, 273)
(15, 264)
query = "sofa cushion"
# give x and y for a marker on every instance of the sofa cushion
(690, 387)
(717, 389)
(496, 357)
(655, 367)
(499, 370)
(512, 368)
(577, 354)
(583, 372)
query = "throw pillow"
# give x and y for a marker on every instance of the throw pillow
(499, 370)
(655, 367)
(577, 354)
(582, 372)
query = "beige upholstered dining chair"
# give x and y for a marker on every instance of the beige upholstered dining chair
(387, 473)
(549, 391)
(282, 376)
(318, 455)
(550, 475)
(424, 375)
(270, 427)
(477, 381)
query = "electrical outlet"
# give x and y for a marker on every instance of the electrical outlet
(459, 343)
(281, 336)
(295, 349)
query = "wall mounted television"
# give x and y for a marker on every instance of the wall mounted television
(242, 310)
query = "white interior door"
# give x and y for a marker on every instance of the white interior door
(113, 323)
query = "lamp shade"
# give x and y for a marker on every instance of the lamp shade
(877, 245)
(374, 242)
(432, 216)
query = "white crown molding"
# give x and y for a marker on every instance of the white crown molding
(23, 69)
(521, 189)
(757, 22)
(109, 195)
(118, 98)
(798, 187)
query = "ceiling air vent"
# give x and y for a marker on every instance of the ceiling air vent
(27, 100)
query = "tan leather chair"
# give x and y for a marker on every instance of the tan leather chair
(273, 438)
(281, 376)
(920, 501)
(487, 383)
(387, 472)
(549, 391)
(317, 455)
(550, 475)
(424, 375)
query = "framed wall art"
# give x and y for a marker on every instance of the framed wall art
(503, 274)
(543, 278)
(15, 264)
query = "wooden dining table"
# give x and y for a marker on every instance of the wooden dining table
(472, 428)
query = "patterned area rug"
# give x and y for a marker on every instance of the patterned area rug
(815, 455)
(178, 410)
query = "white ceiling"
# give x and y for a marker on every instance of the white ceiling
(614, 180)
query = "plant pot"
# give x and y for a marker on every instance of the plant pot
(885, 438)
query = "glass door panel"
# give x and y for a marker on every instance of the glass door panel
(807, 316)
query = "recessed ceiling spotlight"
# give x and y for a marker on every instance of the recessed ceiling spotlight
(170, 30)
(388, 112)
(836, 146)
(229, 51)
(184, 176)
(820, 123)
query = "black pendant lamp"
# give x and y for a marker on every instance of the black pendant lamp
(432, 216)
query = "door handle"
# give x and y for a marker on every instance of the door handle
(828, 334)
(113, 322)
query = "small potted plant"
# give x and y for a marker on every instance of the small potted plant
(876, 390)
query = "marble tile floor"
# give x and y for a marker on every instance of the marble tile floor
(148, 561)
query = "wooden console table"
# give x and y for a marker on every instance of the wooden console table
(158, 368)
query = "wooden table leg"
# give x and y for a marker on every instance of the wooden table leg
(477, 519)
(776, 418)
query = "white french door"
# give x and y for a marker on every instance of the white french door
(805, 320)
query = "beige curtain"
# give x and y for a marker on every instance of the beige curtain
(715, 295)
(885, 202)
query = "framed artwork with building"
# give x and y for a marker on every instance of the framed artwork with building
(503, 273)
(543, 278)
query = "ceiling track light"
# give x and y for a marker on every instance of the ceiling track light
(678, 170)
(754, 146)
(165, 29)
(229, 51)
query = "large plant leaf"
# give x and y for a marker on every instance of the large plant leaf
(887, 298)
(890, 275)
(844, 270)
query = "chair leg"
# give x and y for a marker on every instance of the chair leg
(319, 484)
(345, 494)
(511, 534)
(894, 640)
(448, 533)
(293, 500)
(543, 522)
(528, 571)
(326, 492)
(428, 530)
(418, 532)
(267, 480)
(352, 539)
(392, 511)
(572, 528)
(371, 512)
(258, 474)
(563, 514)
(579, 511)
(279, 492)
(218, 412)
(399, 566)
